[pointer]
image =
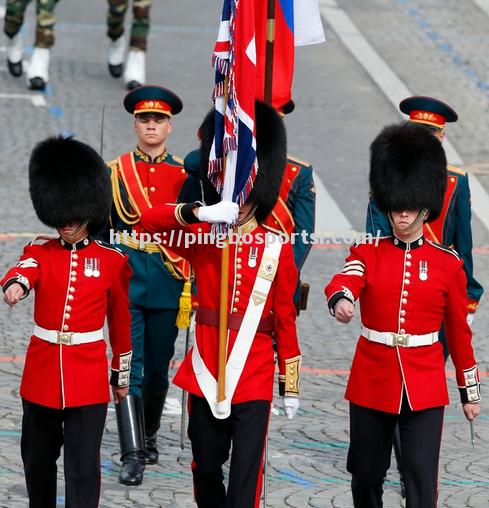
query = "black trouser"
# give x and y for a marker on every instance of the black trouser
(211, 439)
(79, 430)
(370, 451)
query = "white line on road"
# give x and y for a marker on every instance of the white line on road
(36, 99)
(483, 4)
(329, 218)
(393, 88)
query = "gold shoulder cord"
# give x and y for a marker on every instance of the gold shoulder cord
(124, 214)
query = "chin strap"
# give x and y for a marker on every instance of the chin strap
(77, 235)
(409, 229)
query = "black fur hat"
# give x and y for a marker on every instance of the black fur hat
(408, 169)
(69, 182)
(271, 151)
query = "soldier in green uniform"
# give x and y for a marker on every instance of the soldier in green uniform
(135, 68)
(38, 74)
(142, 178)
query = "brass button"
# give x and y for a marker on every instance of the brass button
(408, 263)
(294, 168)
(409, 256)
(402, 330)
(238, 266)
(235, 309)
(183, 170)
(406, 281)
(403, 312)
(75, 256)
(152, 170)
(236, 300)
(408, 275)
(405, 293)
(238, 292)
(70, 297)
(71, 290)
(452, 179)
(238, 283)
(152, 189)
(73, 279)
(238, 260)
(402, 320)
(67, 316)
(66, 328)
(68, 308)
(240, 249)
(404, 301)
(240, 244)
(238, 276)
(73, 273)
(74, 264)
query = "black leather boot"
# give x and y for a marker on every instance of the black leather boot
(153, 403)
(130, 424)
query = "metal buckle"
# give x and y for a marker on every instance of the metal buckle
(65, 338)
(400, 339)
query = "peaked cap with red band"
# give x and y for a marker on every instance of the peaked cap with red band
(152, 99)
(428, 111)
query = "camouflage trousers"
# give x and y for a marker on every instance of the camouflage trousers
(140, 22)
(14, 19)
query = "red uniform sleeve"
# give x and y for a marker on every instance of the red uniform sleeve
(459, 338)
(177, 225)
(288, 352)
(26, 271)
(350, 281)
(119, 321)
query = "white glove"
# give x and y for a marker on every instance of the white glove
(291, 406)
(470, 318)
(225, 211)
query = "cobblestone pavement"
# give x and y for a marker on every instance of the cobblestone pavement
(437, 47)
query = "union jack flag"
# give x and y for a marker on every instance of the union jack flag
(232, 160)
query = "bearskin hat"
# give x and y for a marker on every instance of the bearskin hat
(69, 182)
(271, 152)
(408, 169)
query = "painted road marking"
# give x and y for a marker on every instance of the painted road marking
(36, 99)
(393, 88)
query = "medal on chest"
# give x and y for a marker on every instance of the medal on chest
(423, 270)
(92, 267)
(253, 254)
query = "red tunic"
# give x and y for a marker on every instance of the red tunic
(395, 297)
(256, 381)
(58, 375)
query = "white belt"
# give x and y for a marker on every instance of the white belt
(68, 338)
(400, 339)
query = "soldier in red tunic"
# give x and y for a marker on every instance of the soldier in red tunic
(407, 286)
(262, 280)
(78, 282)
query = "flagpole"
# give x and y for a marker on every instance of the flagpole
(269, 51)
(224, 293)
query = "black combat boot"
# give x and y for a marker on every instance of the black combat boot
(153, 403)
(130, 424)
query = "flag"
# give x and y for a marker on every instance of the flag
(308, 28)
(232, 159)
(297, 23)
(283, 51)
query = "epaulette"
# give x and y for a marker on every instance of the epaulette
(446, 249)
(177, 159)
(298, 161)
(109, 246)
(46, 238)
(112, 163)
(456, 170)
